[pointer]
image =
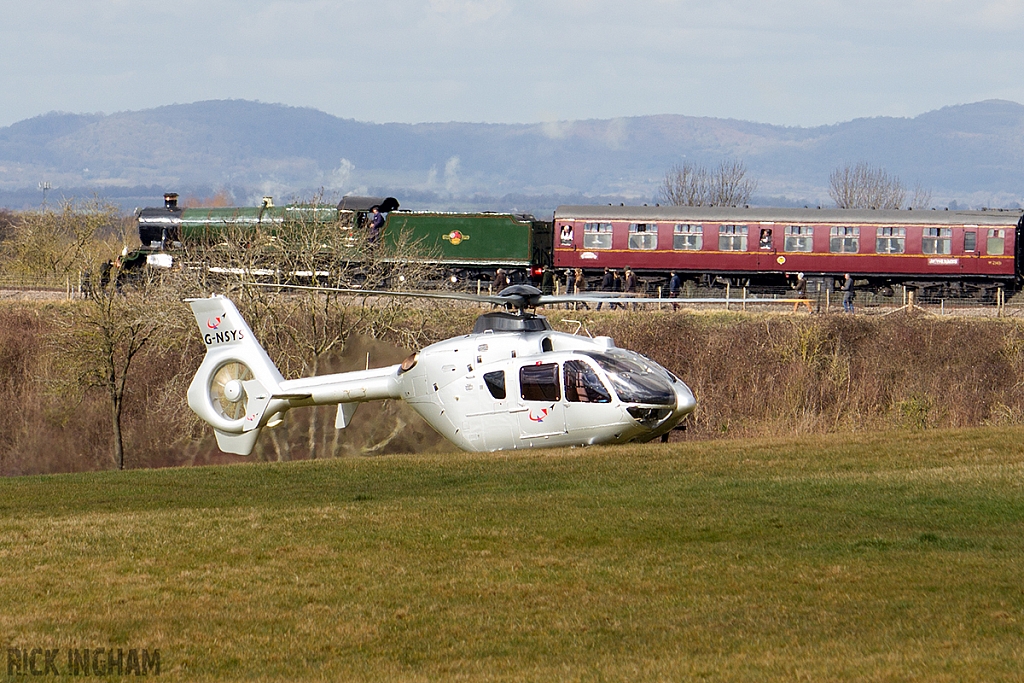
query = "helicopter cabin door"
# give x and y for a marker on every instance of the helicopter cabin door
(588, 403)
(540, 409)
(488, 424)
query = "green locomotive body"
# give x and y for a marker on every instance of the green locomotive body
(464, 246)
(474, 245)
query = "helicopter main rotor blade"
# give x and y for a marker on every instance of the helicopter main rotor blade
(457, 296)
(525, 296)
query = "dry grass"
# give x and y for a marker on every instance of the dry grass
(778, 374)
(885, 557)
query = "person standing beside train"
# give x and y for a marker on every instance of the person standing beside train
(607, 282)
(570, 287)
(580, 286)
(547, 280)
(629, 285)
(801, 293)
(616, 287)
(501, 281)
(675, 284)
(848, 294)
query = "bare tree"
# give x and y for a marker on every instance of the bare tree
(8, 221)
(690, 185)
(685, 185)
(732, 186)
(102, 336)
(51, 245)
(921, 199)
(863, 187)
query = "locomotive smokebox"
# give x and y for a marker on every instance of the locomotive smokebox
(171, 200)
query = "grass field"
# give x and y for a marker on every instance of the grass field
(876, 557)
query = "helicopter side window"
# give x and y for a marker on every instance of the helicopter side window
(582, 385)
(495, 382)
(539, 382)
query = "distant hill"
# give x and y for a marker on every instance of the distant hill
(973, 154)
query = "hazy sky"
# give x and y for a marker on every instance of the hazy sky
(792, 62)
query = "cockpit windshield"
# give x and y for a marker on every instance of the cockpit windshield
(634, 381)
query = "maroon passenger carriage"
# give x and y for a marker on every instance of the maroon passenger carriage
(939, 253)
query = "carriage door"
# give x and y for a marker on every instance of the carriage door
(1018, 246)
(970, 262)
(540, 401)
(766, 247)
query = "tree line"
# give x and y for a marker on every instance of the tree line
(856, 186)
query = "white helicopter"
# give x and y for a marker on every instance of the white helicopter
(512, 383)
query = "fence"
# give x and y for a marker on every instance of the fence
(819, 299)
(20, 286)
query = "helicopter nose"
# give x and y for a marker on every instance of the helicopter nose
(685, 402)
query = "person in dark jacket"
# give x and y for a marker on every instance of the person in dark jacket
(547, 281)
(629, 285)
(801, 293)
(376, 225)
(848, 294)
(501, 280)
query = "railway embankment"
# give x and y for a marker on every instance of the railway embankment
(753, 374)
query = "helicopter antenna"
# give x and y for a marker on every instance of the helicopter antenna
(577, 323)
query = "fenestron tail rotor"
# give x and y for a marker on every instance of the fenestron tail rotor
(227, 391)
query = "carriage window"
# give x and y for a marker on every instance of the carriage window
(495, 382)
(539, 382)
(766, 239)
(688, 237)
(799, 238)
(937, 241)
(844, 240)
(970, 241)
(597, 235)
(732, 238)
(643, 235)
(582, 385)
(891, 240)
(565, 236)
(996, 244)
